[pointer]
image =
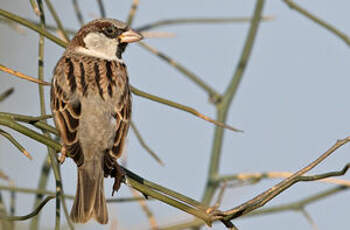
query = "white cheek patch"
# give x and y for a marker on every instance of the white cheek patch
(98, 45)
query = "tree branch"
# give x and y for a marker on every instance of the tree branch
(223, 106)
(15, 143)
(78, 12)
(6, 94)
(213, 95)
(21, 75)
(180, 21)
(30, 215)
(318, 21)
(261, 199)
(132, 12)
(55, 16)
(181, 107)
(144, 145)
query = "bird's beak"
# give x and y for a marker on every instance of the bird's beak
(130, 36)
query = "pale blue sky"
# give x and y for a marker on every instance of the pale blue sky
(292, 105)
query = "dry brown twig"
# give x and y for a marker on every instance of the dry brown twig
(6, 94)
(256, 177)
(21, 75)
(261, 199)
(142, 202)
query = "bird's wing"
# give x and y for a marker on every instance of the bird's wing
(66, 108)
(123, 115)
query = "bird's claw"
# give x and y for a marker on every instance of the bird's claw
(119, 177)
(62, 157)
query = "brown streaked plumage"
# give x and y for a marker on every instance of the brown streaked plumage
(91, 104)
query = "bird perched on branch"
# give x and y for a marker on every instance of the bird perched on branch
(91, 104)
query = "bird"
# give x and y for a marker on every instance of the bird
(91, 105)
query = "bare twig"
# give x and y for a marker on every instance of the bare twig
(21, 75)
(144, 145)
(43, 180)
(102, 8)
(180, 21)
(182, 107)
(30, 215)
(297, 205)
(15, 143)
(213, 95)
(224, 105)
(269, 194)
(293, 206)
(151, 219)
(309, 219)
(219, 199)
(35, 121)
(132, 11)
(32, 26)
(60, 29)
(319, 21)
(3, 175)
(6, 94)
(70, 197)
(3, 212)
(256, 177)
(35, 7)
(78, 12)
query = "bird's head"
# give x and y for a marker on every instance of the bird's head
(103, 38)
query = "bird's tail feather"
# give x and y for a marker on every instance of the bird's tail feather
(89, 201)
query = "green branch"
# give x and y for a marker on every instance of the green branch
(70, 197)
(318, 21)
(78, 12)
(6, 94)
(298, 205)
(147, 187)
(213, 95)
(144, 145)
(57, 20)
(224, 105)
(132, 12)
(15, 143)
(35, 121)
(180, 21)
(181, 107)
(102, 8)
(30, 215)
(32, 26)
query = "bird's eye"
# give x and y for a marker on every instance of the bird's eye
(110, 31)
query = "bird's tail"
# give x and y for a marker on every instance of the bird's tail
(89, 201)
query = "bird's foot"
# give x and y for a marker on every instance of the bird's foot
(62, 157)
(119, 177)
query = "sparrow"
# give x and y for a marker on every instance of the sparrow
(91, 105)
